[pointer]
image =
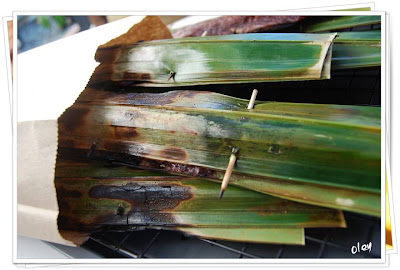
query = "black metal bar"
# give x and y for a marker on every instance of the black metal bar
(120, 251)
(150, 244)
(246, 245)
(323, 245)
(229, 248)
(326, 242)
(280, 252)
(124, 239)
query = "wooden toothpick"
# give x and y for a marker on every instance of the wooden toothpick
(228, 171)
(171, 75)
(252, 99)
(92, 147)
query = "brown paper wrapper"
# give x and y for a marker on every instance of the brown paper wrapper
(37, 142)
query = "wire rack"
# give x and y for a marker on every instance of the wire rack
(347, 87)
(320, 243)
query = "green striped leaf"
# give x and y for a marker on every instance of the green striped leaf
(220, 59)
(332, 23)
(357, 49)
(287, 236)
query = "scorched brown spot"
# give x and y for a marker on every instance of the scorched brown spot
(139, 77)
(173, 153)
(146, 205)
(74, 118)
(107, 55)
(66, 193)
(123, 133)
(115, 146)
(270, 209)
(81, 223)
(63, 206)
(174, 168)
(65, 142)
(117, 154)
(324, 218)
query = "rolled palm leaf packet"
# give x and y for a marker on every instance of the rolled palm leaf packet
(334, 23)
(357, 50)
(327, 155)
(227, 25)
(94, 196)
(217, 60)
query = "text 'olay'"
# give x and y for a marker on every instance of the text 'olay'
(361, 248)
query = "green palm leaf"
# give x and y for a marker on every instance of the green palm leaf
(357, 49)
(222, 59)
(333, 23)
(119, 196)
(289, 147)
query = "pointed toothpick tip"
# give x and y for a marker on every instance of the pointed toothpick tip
(171, 75)
(92, 147)
(221, 194)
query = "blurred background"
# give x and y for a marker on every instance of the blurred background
(34, 31)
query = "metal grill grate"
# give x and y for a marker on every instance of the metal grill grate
(320, 243)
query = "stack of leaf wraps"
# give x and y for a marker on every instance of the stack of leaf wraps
(144, 147)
